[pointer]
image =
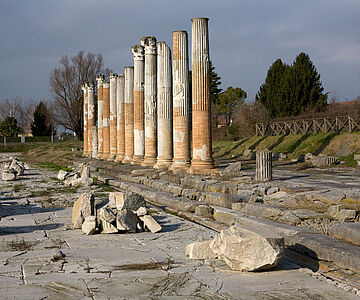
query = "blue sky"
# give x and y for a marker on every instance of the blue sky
(246, 37)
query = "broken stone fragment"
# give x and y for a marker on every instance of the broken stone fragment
(200, 250)
(84, 206)
(107, 227)
(62, 175)
(126, 220)
(107, 214)
(150, 223)
(8, 174)
(130, 201)
(142, 211)
(244, 250)
(89, 225)
(17, 167)
(204, 210)
(71, 178)
(84, 171)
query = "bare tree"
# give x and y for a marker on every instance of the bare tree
(65, 83)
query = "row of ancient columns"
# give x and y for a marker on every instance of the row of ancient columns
(144, 116)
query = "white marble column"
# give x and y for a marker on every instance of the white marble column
(91, 126)
(100, 105)
(149, 43)
(85, 116)
(164, 107)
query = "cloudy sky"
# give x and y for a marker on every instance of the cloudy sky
(246, 37)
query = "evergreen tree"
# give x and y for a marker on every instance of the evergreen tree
(229, 100)
(9, 127)
(40, 125)
(291, 90)
(214, 84)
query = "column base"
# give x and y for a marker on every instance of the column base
(148, 162)
(163, 163)
(111, 157)
(137, 160)
(127, 159)
(105, 156)
(99, 155)
(202, 167)
(119, 158)
(179, 165)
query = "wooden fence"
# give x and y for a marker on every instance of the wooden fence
(332, 124)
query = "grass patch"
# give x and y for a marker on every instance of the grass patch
(21, 245)
(51, 166)
(18, 187)
(348, 160)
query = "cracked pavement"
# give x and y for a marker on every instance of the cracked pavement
(41, 257)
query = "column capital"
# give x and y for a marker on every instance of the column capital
(149, 43)
(113, 76)
(106, 85)
(90, 86)
(84, 88)
(138, 52)
(200, 19)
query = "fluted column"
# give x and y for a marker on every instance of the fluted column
(85, 135)
(202, 161)
(149, 44)
(263, 165)
(139, 77)
(181, 101)
(129, 114)
(100, 103)
(164, 107)
(91, 125)
(120, 99)
(106, 121)
(113, 122)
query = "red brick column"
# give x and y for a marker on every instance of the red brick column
(120, 99)
(202, 161)
(129, 114)
(181, 101)
(112, 120)
(91, 119)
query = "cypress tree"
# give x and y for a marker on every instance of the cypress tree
(40, 125)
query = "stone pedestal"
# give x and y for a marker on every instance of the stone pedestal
(202, 161)
(149, 43)
(113, 119)
(91, 124)
(85, 135)
(106, 121)
(263, 165)
(120, 98)
(181, 102)
(164, 107)
(129, 114)
(139, 78)
(100, 103)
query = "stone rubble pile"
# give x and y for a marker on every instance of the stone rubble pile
(241, 249)
(123, 213)
(12, 169)
(76, 178)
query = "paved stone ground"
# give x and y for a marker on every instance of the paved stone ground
(41, 257)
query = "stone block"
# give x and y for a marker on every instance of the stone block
(346, 215)
(357, 157)
(126, 220)
(107, 214)
(142, 211)
(190, 193)
(272, 190)
(217, 199)
(346, 231)
(8, 175)
(244, 250)
(62, 175)
(131, 201)
(151, 224)
(204, 210)
(200, 250)
(324, 161)
(107, 227)
(89, 225)
(84, 206)
(225, 216)
(15, 165)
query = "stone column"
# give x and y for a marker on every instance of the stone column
(106, 119)
(181, 101)
(164, 107)
(149, 44)
(139, 77)
(91, 125)
(120, 99)
(113, 121)
(85, 135)
(100, 80)
(202, 161)
(263, 165)
(129, 114)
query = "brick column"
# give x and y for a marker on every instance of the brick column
(129, 114)
(139, 77)
(202, 161)
(149, 44)
(106, 123)
(164, 107)
(85, 107)
(181, 101)
(120, 99)
(91, 125)
(100, 103)
(113, 112)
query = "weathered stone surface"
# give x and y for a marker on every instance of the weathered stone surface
(204, 210)
(62, 175)
(324, 161)
(218, 199)
(107, 214)
(151, 224)
(200, 250)
(272, 190)
(225, 216)
(132, 202)
(15, 165)
(8, 175)
(337, 212)
(126, 220)
(234, 169)
(142, 211)
(244, 250)
(107, 227)
(89, 225)
(84, 206)
(346, 231)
